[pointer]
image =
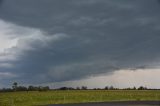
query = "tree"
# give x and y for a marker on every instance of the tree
(84, 87)
(106, 88)
(46, 88)
(111, 88)
(21, 88)
(142, 88)
(78, 88)
(134, 88)
(31, 88)
(41, 88)
(15, 85)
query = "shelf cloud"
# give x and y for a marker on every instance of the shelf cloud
(44, 41)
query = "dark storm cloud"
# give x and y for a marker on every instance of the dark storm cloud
(101, 36)
(1, 1)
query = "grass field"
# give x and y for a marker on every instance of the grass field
(62, 97)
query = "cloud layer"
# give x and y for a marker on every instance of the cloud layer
(59, 40)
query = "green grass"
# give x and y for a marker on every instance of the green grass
(63, 97)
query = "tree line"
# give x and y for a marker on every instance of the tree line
(106, 88)
(15, 88)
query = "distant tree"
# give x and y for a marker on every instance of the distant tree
(142, 88)
(14, 86)
(63, 88)
(134, 88)
(106, 88)
(46, 88)
(84, 87)
(111, 88)
(66, 88)
(21, 88)
(128, 89)
(40, 88)
(78, 88)
(31, 88)
(6, 90)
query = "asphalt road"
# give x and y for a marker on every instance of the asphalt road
(136, 103)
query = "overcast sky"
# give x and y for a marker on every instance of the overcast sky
(70, 42)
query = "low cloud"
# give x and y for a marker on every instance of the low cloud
(6, 75)
(59, 41)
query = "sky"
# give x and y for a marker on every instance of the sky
(80, 42)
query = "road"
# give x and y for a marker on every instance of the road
(135, 103)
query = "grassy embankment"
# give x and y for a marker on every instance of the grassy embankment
(74, 96)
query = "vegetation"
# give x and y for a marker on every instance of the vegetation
(32, 95)
(75, 96)
(16, 88)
